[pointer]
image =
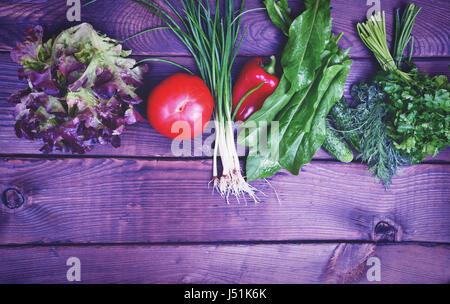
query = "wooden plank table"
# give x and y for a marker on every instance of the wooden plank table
(137, 214)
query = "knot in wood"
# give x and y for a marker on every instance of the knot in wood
(385, 232)
(12, 198)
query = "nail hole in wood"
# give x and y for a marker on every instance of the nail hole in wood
(385, 232)
(12, 198)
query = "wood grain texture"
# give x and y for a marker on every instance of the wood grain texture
(142, 139)
(229, 264)
(150, 213)
(127, 201)
(121, 19)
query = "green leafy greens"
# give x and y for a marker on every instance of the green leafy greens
(419, 113)
(400, 117)
(81, 89)
(418, 107)
(363, 125)
(314, 74)
(280, 14)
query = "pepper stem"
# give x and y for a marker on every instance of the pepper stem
(270, 68)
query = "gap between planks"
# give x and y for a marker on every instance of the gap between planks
(223, 243)
(184, 158)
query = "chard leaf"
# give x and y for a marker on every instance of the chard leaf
(315, 71)
(314, 139)
(279, 12)
(267, 113)
(261, 165)
(302, 124)
(308, 35)
(301, 57)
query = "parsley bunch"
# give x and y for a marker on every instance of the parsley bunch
(417, 106)
(402, 115)
(418, 113)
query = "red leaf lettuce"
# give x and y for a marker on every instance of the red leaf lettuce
(81, 89)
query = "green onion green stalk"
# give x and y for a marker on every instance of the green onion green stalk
(403, 28)
(373, 34)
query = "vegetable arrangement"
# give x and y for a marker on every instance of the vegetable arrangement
(81, 89)
(401, 116)
(314, 75)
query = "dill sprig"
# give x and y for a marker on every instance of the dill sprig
(376, 147)
(363, 125)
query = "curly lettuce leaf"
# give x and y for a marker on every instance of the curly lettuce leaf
(81, 89)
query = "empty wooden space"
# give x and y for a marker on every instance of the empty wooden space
(227, 264)
(140, 214)
(126, 200)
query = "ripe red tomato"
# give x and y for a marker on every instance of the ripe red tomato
(180, 106)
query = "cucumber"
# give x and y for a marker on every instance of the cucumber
(342, 118)
(336, 146)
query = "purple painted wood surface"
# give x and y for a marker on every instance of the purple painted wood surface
(157, 219)
(120, 20)
(127, 200)
(228, 263)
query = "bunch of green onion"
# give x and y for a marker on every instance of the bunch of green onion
(213, 40)
(373, 34)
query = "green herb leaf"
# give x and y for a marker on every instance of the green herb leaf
(418, 113)
(365, 129)
(279, 12)
(315, 71)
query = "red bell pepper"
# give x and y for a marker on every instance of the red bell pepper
(252, 75)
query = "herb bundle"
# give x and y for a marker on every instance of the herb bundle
(417, 107)
(373, 34)
(401, 116)
(363, 125)
(418, 113)
(403, 28)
